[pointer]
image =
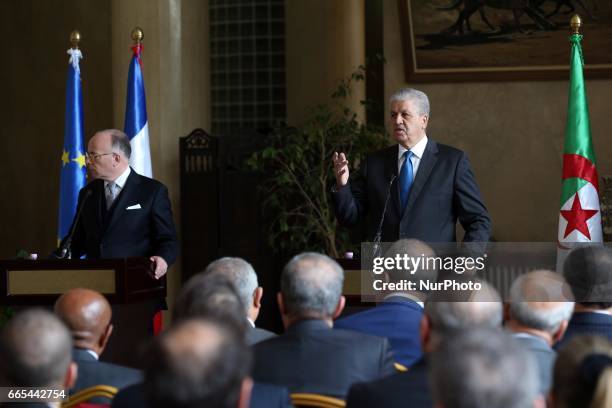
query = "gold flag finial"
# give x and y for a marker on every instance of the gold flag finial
(137, 35)
(575, 24)
(75, 38)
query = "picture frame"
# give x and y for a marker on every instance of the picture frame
(441, 45)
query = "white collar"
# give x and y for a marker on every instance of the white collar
(120, 181)
(93, 353)
(251, 322)
(407, 296)
(418, 149)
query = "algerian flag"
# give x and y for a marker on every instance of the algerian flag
(579, 217)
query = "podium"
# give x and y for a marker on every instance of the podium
(126, 283)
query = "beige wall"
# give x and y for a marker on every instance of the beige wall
(513, 133)
(175, 69)
(324, 44)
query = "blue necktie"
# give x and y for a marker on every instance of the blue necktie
(405, 178)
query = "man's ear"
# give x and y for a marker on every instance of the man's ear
(425, 120)
(104, 338)
(425, 332)
(281, 303)
(71, 375)
(339, 307)
(558, 335)
(257, 295)
(244, 398)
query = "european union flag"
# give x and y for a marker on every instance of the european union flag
(73, 171)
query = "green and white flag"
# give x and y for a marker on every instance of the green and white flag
(580, 215)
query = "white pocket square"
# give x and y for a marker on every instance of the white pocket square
(134, 207)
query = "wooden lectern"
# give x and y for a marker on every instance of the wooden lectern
(125, 282)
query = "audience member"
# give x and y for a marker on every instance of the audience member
(398, 316)
(310, 356)
(35, 351)
(588, 270)
(214, 298)
(88, 316)
(583, 373)
(538, 313)
(198, 363)
(443, 318)
(483, 368)
(244, 278)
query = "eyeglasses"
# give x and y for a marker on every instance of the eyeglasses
(93, 156)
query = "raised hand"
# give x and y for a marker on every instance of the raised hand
(341, 170)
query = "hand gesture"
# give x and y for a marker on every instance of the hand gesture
(341, 170)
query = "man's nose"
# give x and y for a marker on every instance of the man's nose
(398, 120)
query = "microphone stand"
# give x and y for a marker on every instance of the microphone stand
(378, 236)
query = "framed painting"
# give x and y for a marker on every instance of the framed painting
(485, 40)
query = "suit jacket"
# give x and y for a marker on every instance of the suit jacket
(444, 191)
(397, 319)
(545, 357)
(311, 357)
(119, 232)
(262, 396)
(93, 372)
(255, 335)
(597, 324)
(400, 390)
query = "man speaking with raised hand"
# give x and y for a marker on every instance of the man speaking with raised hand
(429, 186)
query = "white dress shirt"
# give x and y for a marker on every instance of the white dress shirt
(417, 155)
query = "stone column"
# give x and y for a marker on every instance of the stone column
(324, 44)
(176, 74)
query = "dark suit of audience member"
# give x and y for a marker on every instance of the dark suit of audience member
(441, 320)
(588, 271)
(408, 389)
(93, 372)
(432, 187)
(397, 318)
(255, 335)
(88, 316)
(310, 356)
(538, 313)
(597, 323)
(262, 396)
(242, 275)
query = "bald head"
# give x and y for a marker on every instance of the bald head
(88, 315)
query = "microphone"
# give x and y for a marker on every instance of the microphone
(65, 251)
(378, 236)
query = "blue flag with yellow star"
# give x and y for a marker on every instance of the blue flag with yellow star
(72, 177)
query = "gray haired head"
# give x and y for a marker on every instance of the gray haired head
(240, 273)
(120, 142)
(484, 309)
(35, 349)
(419, 98)
(541, 300)
(483, 368)
(311, 285)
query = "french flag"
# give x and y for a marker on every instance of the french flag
(136, 123)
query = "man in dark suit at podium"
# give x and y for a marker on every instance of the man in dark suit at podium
(430, 186)
(123, 214)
